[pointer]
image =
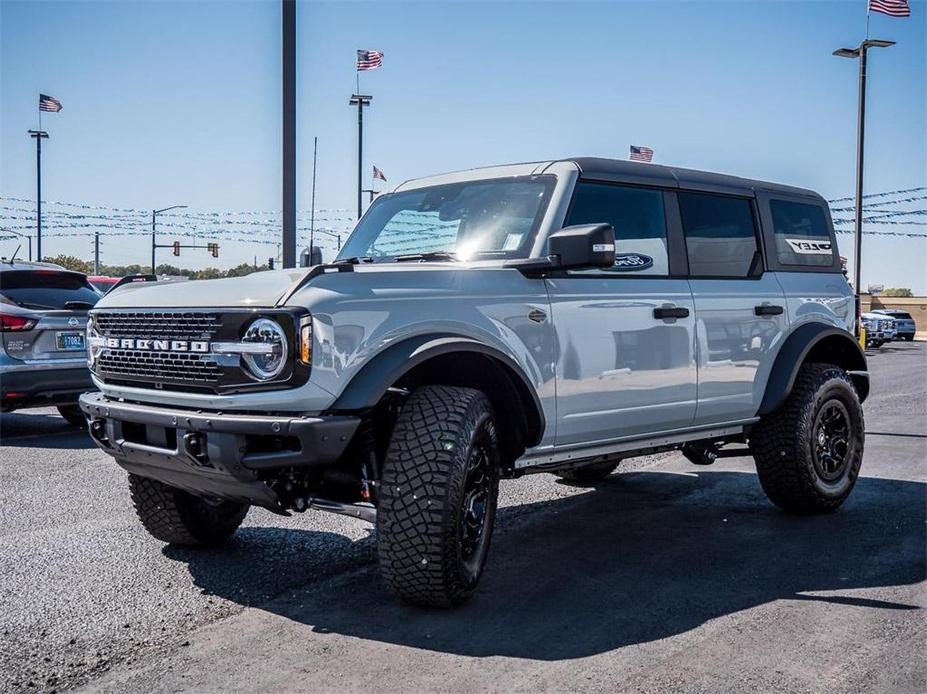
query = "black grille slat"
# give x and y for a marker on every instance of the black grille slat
(191, 325)
(159, 365)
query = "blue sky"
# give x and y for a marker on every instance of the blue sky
(179, 102)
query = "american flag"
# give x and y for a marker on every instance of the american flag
(379, 174)
(893, 8)
(49, 103)
(641, 153)
(369, 60)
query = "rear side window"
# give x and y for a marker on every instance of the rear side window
(639, 220)
(45, 289)
(802, 234)
(720, 235)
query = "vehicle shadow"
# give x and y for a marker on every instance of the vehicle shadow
(39, 430)
(643, 557)
(259, 563)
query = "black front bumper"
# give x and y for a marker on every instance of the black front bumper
(213, 453)
(43, 387)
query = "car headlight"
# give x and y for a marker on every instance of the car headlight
(267, 361)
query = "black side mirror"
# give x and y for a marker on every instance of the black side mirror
(583, 246)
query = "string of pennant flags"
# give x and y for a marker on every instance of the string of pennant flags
(70, 219)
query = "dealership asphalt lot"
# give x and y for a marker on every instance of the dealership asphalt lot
(668, 577)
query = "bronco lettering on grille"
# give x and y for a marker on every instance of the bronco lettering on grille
(156, 345)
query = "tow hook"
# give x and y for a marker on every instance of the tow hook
(97, 431)
(193, 445)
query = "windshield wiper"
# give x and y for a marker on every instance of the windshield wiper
(429, 255)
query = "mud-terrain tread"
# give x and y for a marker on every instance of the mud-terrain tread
(174, 516)
(780, 444)
(421, 486)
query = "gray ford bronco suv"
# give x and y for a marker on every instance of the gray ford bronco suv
(546, 317)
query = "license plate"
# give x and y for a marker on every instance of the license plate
(69, 341)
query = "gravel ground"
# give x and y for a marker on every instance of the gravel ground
(666, 578)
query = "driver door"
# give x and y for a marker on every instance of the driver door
(626, 361)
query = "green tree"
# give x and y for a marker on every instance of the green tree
(208, 273)
(897, 292)
(71, 263)
(242, 270)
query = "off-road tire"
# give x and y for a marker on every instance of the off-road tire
(440, 434)
(589, 474)
(172, 515)
(73, 415)
(784, 443)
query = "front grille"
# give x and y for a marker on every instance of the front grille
(154, 366)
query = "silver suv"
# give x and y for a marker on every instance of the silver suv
(43, 316)
(547, 317)
(904, 323)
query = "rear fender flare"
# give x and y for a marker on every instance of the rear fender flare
(814, 342)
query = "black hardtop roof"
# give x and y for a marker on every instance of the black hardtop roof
(619, 170)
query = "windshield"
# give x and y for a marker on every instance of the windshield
(474, 219)
(45, 289)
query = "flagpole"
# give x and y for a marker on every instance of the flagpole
(868, 11)
(315, 153)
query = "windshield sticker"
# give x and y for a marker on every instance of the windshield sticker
(809, 247)
(629, 262)
(512, 242)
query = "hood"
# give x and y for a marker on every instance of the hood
(264, 289)
(257, 289)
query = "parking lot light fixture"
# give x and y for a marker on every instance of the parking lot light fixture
(860, 53)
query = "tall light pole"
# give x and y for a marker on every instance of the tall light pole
(154, 239)
(38, 136)
(360, 100)
(289, 133)
(860, 53)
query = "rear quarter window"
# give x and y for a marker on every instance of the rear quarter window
(720, 234)
(802, 234)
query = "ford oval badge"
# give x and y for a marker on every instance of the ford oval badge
(628, 262)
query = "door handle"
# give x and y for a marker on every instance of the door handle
(670, 312)
(768, 310)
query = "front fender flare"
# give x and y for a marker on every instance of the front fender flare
(369, 386)
(816, 340)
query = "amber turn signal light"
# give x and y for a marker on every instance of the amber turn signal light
(305, 341)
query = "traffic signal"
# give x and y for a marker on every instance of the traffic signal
(214, 249)
(176, 247)
(270, 263)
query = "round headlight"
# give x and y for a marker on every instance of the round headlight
(269, 356)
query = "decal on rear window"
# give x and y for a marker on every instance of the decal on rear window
(805, 247)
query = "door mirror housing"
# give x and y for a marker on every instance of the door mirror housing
(583, 246)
